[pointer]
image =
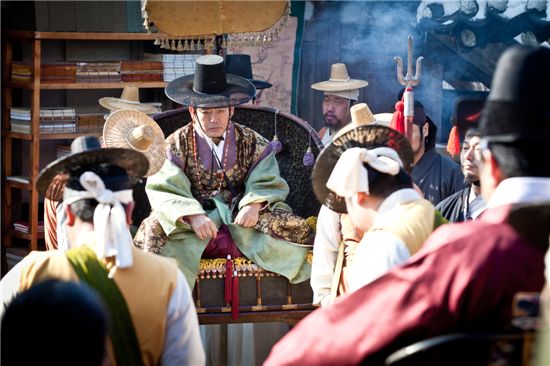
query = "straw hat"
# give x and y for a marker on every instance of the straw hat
(339, 80)
(210, 86)
(360, 116)
(86, 150)
(128, 100)
(367, 136)
(136, 130)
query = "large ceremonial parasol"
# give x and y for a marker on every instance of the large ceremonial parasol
(194, 25)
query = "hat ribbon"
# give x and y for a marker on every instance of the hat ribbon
(129, 101)
(349, 176)
(346, 79)
(113, 238)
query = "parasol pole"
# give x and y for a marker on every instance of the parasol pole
(409, 81)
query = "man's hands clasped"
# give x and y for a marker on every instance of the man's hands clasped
(203, 227)
(248, 215)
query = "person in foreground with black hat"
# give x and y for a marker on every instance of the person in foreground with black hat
(153, 317)
(465, 276)
(219, 193)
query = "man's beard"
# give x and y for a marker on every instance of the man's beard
(335, 124)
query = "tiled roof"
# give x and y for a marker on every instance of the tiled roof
(447, 13)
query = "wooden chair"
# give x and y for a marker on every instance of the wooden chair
(264, 296)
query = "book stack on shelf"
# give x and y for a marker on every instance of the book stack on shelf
(97, 72)
(21, 72)
(90, 122)
(60, 72)
(141, 71)
(24, 227)
(52, 120)
(176, 65)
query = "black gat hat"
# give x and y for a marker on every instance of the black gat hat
(210, 86)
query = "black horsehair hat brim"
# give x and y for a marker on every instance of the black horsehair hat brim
(134, 162)
(238, 91)
(369, 137)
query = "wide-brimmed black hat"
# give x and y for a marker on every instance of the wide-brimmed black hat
(516, 111)
(210, 86)
(241, 65)
(366, 136)
(86, 150)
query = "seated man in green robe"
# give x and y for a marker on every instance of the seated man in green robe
(219, 194)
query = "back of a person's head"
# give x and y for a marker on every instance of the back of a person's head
(382, 185)
(515, 120)
(55, 323)
(114, 177)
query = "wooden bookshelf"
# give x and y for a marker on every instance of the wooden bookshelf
(34, 138)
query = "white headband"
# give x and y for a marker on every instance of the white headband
(109, 218)
(349, 176)
(348, 94)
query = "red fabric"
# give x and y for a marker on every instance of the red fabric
(222, 245)
(459, 281)
(398, 119)
(453, 145)
(235, 297)
(228, 275)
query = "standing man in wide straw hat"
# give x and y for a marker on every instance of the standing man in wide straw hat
(219, 194)
(340, 92)
(153, 317)
(465, 276)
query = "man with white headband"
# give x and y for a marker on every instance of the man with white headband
(465, 277)
(371, 178)
(149, 301)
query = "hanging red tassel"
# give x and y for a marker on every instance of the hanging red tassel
(235, 297)
(228, 274)
(398, 119)
(453, 145)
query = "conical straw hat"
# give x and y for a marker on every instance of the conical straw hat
(360, 116)
(339, 80)
(135, 130)
(128, 100)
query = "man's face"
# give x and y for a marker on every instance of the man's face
(418, 137)
(335, 111)
(470, 157)
(214, 121)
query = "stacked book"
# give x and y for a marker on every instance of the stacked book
(24, 226)
(96, 72)
(52, 120)
(141, 71)
(176, 65)
(90, 122)
(60, 72)
(21, 73)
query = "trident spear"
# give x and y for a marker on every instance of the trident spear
(409, 81)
